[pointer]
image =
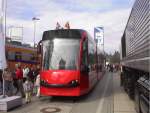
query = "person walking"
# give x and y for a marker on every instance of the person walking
(19, 78)
(25, 72)
(15, 85)
(36, 72)
(31, 74)
(28, 88)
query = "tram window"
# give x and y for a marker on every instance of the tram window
(84, 54)
(26, 56)
(18, 56)
(11, 55)
(91, 51)
(33, 58)
(53, 53)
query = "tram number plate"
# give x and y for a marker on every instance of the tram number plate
(50, 110)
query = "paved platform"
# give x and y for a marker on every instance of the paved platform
(122, 102)
(106, 97)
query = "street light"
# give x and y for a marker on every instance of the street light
(34, 21)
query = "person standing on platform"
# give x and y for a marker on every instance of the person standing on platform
(19, 78)
(31, 74)
(8, 82)
(28, 87)
(25, 72)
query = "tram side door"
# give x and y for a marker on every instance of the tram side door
(84, 67)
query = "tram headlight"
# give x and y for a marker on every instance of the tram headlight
(74, 82)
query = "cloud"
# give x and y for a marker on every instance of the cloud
(94, 5)
(25, 9)
(114, 23)
(49, 12)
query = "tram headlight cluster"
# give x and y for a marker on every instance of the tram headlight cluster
(74, 83)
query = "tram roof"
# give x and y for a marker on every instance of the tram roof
(63, 33)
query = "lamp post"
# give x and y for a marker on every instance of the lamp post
(34, 22)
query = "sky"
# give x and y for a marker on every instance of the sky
(81, 14)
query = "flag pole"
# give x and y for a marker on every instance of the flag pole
(4, 95)
(4, 11)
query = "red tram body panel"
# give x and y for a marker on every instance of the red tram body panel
(60, 82)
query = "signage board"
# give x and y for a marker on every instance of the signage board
(99, 35)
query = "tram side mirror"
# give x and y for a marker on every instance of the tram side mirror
(84, 69)
(39, 47)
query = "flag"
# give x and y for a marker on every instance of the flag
(2, 37)
(99, 35)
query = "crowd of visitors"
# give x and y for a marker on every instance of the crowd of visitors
(23, 81)
(113, 67)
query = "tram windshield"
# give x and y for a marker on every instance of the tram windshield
(60, 54)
